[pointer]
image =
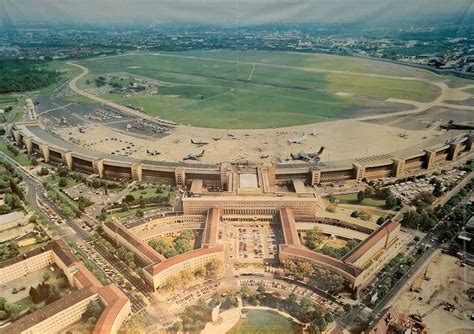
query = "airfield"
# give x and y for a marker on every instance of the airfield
(256, 106)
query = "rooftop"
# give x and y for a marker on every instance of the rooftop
(299, 186)
(115, 301)
(31, 319)
(10, 217)
(210, 231)
(146, 250)
(58, 246)
(288, 226)
(155, 269)
(321, 258)
(382, 232)
(248, 180)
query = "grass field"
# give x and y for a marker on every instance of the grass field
(368, 201)
(151, 192)
(263, 322)
(225, 89)
(7, 100)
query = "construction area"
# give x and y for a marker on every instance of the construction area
(439, 298)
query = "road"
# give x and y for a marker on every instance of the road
(431, 247)
(127, 110)
(35, 195)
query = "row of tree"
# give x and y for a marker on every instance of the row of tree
(304, 270)
(186, 277)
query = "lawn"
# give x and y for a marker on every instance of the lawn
(119, 214)
(147, 193)
(24, 303)
(53, 180)
(263, 322)
(228, 89)
(21, 158)
(152, 192)
(368, 201)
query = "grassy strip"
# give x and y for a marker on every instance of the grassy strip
(368, 201)
(21, 158)
(93, 268)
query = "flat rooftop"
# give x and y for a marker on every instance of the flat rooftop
(196, 187)
(248, 180)
(12, 216)
(299, 186)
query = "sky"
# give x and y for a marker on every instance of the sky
(16, 13)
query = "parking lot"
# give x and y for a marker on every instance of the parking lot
(254, 242)
(407, 191)
(97, 196)
(186, 297)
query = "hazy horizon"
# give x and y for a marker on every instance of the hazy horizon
(18, 13)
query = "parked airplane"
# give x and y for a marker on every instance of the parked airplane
(199, 143)
(154, 152)
(456, 126)
(307, 156)
(194, 156)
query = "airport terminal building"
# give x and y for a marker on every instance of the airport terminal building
(36, 140)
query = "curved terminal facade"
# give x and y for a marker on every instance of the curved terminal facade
(224, 176)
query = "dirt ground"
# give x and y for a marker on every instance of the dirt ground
(448, 283)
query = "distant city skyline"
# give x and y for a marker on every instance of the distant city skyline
(16, 13)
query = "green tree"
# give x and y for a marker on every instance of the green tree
(94, 309)
(62, 182)
(245, 292)
(13, 201)
(63, 171)
(390, 202)
(313, 238)
(46, 276)
(360, 196)
(129, 198)
(13, 310)
(213, 267)
(43, 171)
(125, 207)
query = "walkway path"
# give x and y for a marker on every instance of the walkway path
(229, 319)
